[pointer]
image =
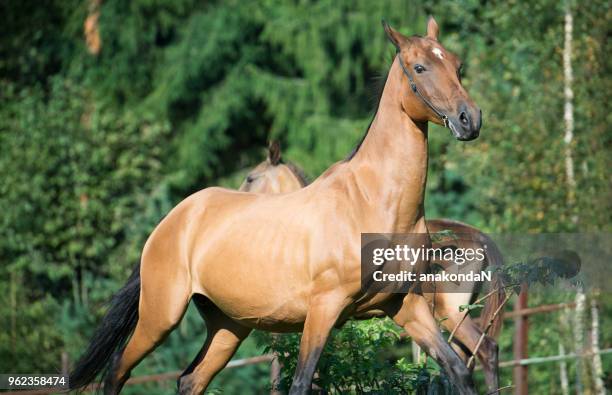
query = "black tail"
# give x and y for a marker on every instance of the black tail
(112, 334)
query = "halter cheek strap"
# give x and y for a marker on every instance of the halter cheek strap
(416, 91)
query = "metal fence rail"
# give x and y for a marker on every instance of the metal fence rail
(553, 358)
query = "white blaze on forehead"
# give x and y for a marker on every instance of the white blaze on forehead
(438, 52)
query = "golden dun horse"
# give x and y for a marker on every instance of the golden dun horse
(277, 176)
(290, 262)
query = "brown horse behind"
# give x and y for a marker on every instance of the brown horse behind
(290, 262)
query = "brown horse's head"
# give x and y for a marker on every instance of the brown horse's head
(433, 83)
(274, 176)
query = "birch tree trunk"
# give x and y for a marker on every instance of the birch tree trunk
(568, 139)
(563, 378)
(568, 113)
(596, 361)
(579, 338)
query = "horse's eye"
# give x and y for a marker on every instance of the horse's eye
(418, 68)
(250, 179)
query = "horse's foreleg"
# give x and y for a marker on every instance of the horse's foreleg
(322, 315)
(418, 321)
(222, 340)
(468, 334)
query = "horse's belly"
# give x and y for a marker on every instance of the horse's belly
(274, 323)
(257, 294)
(268, 311)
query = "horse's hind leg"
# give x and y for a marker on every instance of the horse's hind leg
(223, 339)
(162, 305)
(468, 334)
(417, 320)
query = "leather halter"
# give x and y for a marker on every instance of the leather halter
(416, 91)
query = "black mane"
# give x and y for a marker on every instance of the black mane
(378, 89)
(297, 172)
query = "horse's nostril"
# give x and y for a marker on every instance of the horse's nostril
(463, 118)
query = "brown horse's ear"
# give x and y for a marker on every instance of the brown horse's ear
(396, 38)
(432, 28)
(274, 152)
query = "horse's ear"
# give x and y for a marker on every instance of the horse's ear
(396, 38)
(432, 28)
(274, 152)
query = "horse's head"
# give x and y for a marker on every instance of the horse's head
(273, 176)
(432, 77)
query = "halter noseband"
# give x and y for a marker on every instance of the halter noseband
(416, 91)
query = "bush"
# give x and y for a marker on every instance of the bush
(360, 358)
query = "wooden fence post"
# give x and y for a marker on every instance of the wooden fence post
(520, 344)
(65, 364)
(275, 376)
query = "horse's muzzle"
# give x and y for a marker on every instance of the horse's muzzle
(466, 125)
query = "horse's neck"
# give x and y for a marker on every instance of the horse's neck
(391, 164)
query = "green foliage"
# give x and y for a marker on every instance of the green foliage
(29, 339)
(94, 150)
(545, 271)
(357, 360)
